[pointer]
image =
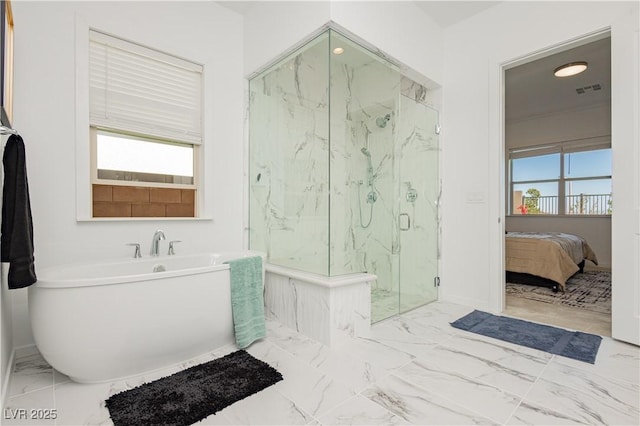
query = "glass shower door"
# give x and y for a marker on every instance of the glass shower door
(289, 160)
(418, 191)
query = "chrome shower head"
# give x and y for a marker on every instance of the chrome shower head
(366, 152)
(382, 121)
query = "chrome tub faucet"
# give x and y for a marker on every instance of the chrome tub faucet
(155, 243)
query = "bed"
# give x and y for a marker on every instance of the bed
(545, 258)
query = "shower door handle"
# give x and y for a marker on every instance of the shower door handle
(405, 221)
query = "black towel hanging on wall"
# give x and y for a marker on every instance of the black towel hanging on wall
(17, 228)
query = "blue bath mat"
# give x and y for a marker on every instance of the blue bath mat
(558, 341)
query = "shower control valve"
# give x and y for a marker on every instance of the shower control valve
(372, 197)
(412, 195)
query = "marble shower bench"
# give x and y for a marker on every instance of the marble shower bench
(327, 309)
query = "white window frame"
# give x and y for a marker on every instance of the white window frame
(85, 146)
(561, 148)
(101, 181)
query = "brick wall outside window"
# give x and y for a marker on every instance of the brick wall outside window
(138, 201)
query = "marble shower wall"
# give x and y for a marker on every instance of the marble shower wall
(363, 88)
(289, 160)
(310, 117)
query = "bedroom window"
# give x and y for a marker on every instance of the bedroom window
(564, 179)
(145, 116)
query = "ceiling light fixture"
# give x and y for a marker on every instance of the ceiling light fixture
(570, 69)
(338, 50)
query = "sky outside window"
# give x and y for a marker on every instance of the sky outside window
(540, 167)
(133, 155)
(588, 163)
(576, 165)
(594, 186)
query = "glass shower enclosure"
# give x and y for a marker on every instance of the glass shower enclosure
(343, 170)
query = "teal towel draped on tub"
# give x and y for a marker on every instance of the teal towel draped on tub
(247, 300)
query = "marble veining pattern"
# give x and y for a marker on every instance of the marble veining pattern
(30, 373)
(328, 180)
(490, 401)
(329, 315)
(418, 405)
(412, 369)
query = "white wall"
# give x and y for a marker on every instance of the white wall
(272, 28)
(472, 133)
(6, 331)
(583, 123)
(399, 29)
(45, 115)
(6, 336)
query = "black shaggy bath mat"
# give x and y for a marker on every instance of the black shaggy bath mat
(192, 394)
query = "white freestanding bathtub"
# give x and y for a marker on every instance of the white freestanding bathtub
(105, 321)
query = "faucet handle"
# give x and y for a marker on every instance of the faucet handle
(137, 253)
(171, 251)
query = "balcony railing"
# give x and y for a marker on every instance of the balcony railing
(582, 204)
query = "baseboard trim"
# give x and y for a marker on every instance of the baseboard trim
(597, 268)
(19, 352)
(26, 350)
(7, 380)
(465, 301)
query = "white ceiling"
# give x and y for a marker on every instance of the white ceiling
(238, 6)
(531, 89)
(445, 13)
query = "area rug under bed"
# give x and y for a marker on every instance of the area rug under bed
(558, 341)
(192, 394)
(590, 290)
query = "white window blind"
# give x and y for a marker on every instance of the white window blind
(143, 91)
(578, 145)
(535, 151)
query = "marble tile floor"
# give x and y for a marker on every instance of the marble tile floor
(388, 303)
(384, 304)
(414, 369)
(559, 315)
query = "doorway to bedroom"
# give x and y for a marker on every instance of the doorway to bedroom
(558, 188)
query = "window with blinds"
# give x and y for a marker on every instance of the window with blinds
(145, 115)
(568, 178)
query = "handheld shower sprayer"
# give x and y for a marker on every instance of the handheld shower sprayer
(371, 196)
(370, 176)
